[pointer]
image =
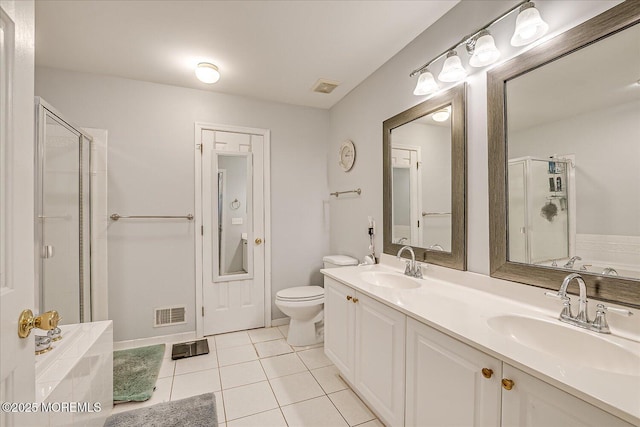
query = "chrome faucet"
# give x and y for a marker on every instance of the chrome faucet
(581, 319)
(412, 268)
(570, 263)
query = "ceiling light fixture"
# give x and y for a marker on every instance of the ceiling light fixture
(482, 47)
(441, 115)
(207, 72)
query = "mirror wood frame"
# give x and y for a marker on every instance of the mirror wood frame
(623, 291)
(456, 97)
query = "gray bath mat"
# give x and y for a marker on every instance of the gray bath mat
(135, 372)
(193, 411)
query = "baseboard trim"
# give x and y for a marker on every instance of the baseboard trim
(142, 342)
(280, 322)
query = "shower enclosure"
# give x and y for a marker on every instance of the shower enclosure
(63, 216)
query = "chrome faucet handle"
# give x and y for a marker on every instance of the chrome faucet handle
(585, 267)
(407, 269)
(600, 322)
(566, 303)
(417, 271)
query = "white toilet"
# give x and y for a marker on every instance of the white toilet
(304, 305)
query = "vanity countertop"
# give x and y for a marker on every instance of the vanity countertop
(461, 303)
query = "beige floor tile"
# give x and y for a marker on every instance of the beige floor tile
(314, 358)
(295, 388)
(196, 363)
(248, 400)
(329, 379)
(285, 364)
(234, 355)
(284, 329)
(318, 412)
(195, 383)
(351, 407)
(241, 374)
(272, 418)
(265, 334)
(273, 348)
(232, 339)
(220, 407)
(167, 368)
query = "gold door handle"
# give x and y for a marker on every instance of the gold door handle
(46, 322)
(349, 297)
(258, 241)
(507, 384)
(487, 373)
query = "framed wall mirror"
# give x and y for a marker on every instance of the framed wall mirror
(424, 176)
(563, 159)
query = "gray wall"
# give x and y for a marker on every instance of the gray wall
(388, 91)
(151, 171)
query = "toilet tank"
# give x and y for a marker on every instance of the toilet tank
(333, 261)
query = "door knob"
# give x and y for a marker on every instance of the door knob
(258, 241)
(45, 321)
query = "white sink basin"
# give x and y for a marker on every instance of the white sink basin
(389, 280)
(578, 346)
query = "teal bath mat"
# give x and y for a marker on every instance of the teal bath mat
(135, 372)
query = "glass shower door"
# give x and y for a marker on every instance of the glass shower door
(64, 221)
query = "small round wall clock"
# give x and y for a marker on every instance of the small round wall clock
(347, 155)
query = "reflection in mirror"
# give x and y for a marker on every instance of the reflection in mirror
(425, 179)
(234, 217)
(564, 152)
(421, 210)
(573, 146)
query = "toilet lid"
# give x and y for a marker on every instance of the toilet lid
(301, 293)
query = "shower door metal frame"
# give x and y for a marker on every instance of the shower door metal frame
(41, 109)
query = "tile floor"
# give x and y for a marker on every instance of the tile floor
(259, 380)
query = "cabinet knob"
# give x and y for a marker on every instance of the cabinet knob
(507, 384)
(355, 300)
(258, 241)
(487, 373)
(349, 297)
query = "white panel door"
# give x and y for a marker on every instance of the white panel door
(233, 229)
(339, 326)
(17, 364)
(380, 356)
(534, 403)
(445, 384)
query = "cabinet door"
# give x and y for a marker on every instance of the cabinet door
(339, 324)
(445, 383)
(380, 349)
(532, 402)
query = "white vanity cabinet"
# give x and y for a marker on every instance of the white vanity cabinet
(533, 403)
(452, 384)
(449, 383)
(366, 341)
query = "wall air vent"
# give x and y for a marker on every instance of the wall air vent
(325, 86)
(167, 316)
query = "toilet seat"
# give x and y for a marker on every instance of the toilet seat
(301, 293)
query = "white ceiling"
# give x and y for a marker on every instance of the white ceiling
(273, 50)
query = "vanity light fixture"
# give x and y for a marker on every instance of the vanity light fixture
(207, 72)
(529, 26)
(426, 83)
(482, 48)
(452, 69)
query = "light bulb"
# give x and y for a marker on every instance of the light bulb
(452, 69)
(529, 26)
(207, 73)
(441, 115)
(426, 84)
(485, 50)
